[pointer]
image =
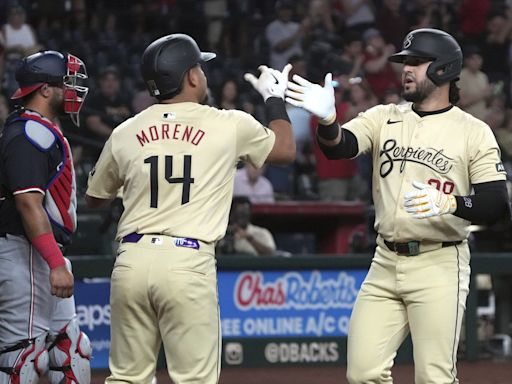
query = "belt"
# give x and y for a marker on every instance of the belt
(184, 242)
(412, 248)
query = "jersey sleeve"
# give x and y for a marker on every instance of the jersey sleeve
(365, 127)
(25, 167)
(485, 157)
(253, 140)
(104, 180)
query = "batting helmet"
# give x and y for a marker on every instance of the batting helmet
(54, 68)
(437, 45)
(166, 61)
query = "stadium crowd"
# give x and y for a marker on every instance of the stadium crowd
(350, 38)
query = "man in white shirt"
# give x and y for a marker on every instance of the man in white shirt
(250, 182)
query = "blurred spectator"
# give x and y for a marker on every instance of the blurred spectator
(285, 179)
(323, 24)
(242, 237)
(338, 180)
(214, 11)
(474, 85)
(495, 51)
(473, 19)
(19, 37)
(18, 40)
(284, 35)
(141, 99)
(360, 14)
(228, 97)
(107, 108)
(432, 14)
(392, 23)
(504, 138)
(250, 182)
(350, 62)
(379, 71)
(299, 117)
(360, 98)
(495, 117)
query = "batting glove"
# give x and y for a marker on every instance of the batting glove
(314, 98)
(427, 201)
(271, 82)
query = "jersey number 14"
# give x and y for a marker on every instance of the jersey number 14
(186, 180)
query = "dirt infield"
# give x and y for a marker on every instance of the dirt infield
(482, 372)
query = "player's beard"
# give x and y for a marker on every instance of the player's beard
(423, 90)
(57, 104)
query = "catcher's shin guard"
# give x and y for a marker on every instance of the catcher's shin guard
(24, 362)
(70, 352)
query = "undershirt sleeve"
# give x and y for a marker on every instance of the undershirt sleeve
(488, 205)
(347, 148)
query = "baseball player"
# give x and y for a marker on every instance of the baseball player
(436, 169)
(176, 161)
(38, 326)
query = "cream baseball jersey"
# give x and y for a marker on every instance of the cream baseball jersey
(449, 150)
(176, 163)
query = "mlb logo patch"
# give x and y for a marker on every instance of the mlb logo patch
(500, 167)
(156, 240)
(169, 116)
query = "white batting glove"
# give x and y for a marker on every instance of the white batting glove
(427, 201)
(313, 98)
(271, 82)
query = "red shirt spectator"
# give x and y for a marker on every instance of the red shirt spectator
(332, 169)
(473, 15)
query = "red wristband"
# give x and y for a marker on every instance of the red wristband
(47, 247)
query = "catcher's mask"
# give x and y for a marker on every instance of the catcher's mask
(54, 68)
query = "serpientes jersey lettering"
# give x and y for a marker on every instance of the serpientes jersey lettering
(445, 150)
(177, 163)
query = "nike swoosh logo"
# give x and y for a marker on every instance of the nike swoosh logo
(393, 122)
(123, 251)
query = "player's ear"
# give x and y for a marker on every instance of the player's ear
(193, 76)
(45, 90)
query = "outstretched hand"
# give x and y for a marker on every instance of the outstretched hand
(312, 97)
(271, 83)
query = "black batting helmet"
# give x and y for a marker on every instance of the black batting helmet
(436, 45)
(166, 61)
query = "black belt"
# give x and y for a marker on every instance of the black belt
(412, 248)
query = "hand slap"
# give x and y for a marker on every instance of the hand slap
(312, 97)
(427, 201)
(271, 82)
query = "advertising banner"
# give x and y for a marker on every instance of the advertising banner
(267, 317)
(93, 313)
(315, 303)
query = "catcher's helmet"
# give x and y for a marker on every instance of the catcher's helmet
(54, 68)
(436, 45)
(166, 61)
